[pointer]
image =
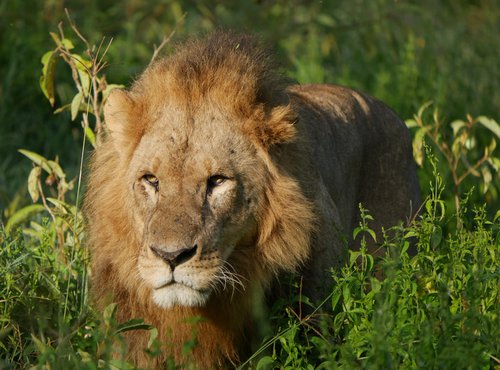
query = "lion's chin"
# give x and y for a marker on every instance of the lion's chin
(179, 295)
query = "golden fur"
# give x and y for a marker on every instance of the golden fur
(215, 177)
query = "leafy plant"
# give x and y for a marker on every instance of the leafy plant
(462, 149)
(437, 309)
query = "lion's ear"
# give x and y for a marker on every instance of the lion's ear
(279, 126)
(116, 112)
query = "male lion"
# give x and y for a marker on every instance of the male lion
(216, 176)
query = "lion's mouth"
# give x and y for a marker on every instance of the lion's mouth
(174, 283)
(179, 294)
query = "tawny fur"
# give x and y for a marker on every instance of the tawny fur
(316, 152)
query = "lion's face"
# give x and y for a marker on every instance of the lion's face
(193, 183)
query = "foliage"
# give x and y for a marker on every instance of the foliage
(437, 309)
(403, 52)
(462, 151)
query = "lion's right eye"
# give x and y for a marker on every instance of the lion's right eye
(152, 180)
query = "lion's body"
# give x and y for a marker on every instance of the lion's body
(216, 177)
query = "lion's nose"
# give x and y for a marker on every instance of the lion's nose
(176, 257)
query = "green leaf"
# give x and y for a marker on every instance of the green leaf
(62, 206)
(456, 126)
(75, 105)
(90, 135)
(62, 109)
(33, 178)
(47, 78)
(109, 88)
(356, 232)
(266, 362)
(68, 44)
(134, 324)
(423, 108)
(85, 81)
(41, 347)
(418, 142)
(490, 124)
(436, 237)
(410, 123)
(487, 178)
(37, 159)
(372, 234)
(81, 63)
(491, 148)
(335, 298)
(56, 169)
(22, 215)
(153, 334)
(115, 364)
(109, 314)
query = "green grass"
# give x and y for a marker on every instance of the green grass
(436, 310)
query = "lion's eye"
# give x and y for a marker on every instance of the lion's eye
(151, 180)
(214, 181)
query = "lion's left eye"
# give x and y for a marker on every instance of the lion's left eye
(214, 181)
(152, 180)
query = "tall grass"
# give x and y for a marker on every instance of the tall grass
(437, 309)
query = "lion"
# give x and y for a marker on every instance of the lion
(217, 176)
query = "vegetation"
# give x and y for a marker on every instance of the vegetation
(438, 309)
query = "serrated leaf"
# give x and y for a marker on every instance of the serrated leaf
(22, 215)
(490, 124)
(134, 324)
(47, 78)
(37, 159)
(75, 105)
(33, 179)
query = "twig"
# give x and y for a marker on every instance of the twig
(165, 41)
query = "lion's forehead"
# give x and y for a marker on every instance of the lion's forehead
(179, 156)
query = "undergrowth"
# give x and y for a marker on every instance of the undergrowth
(437, 309)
